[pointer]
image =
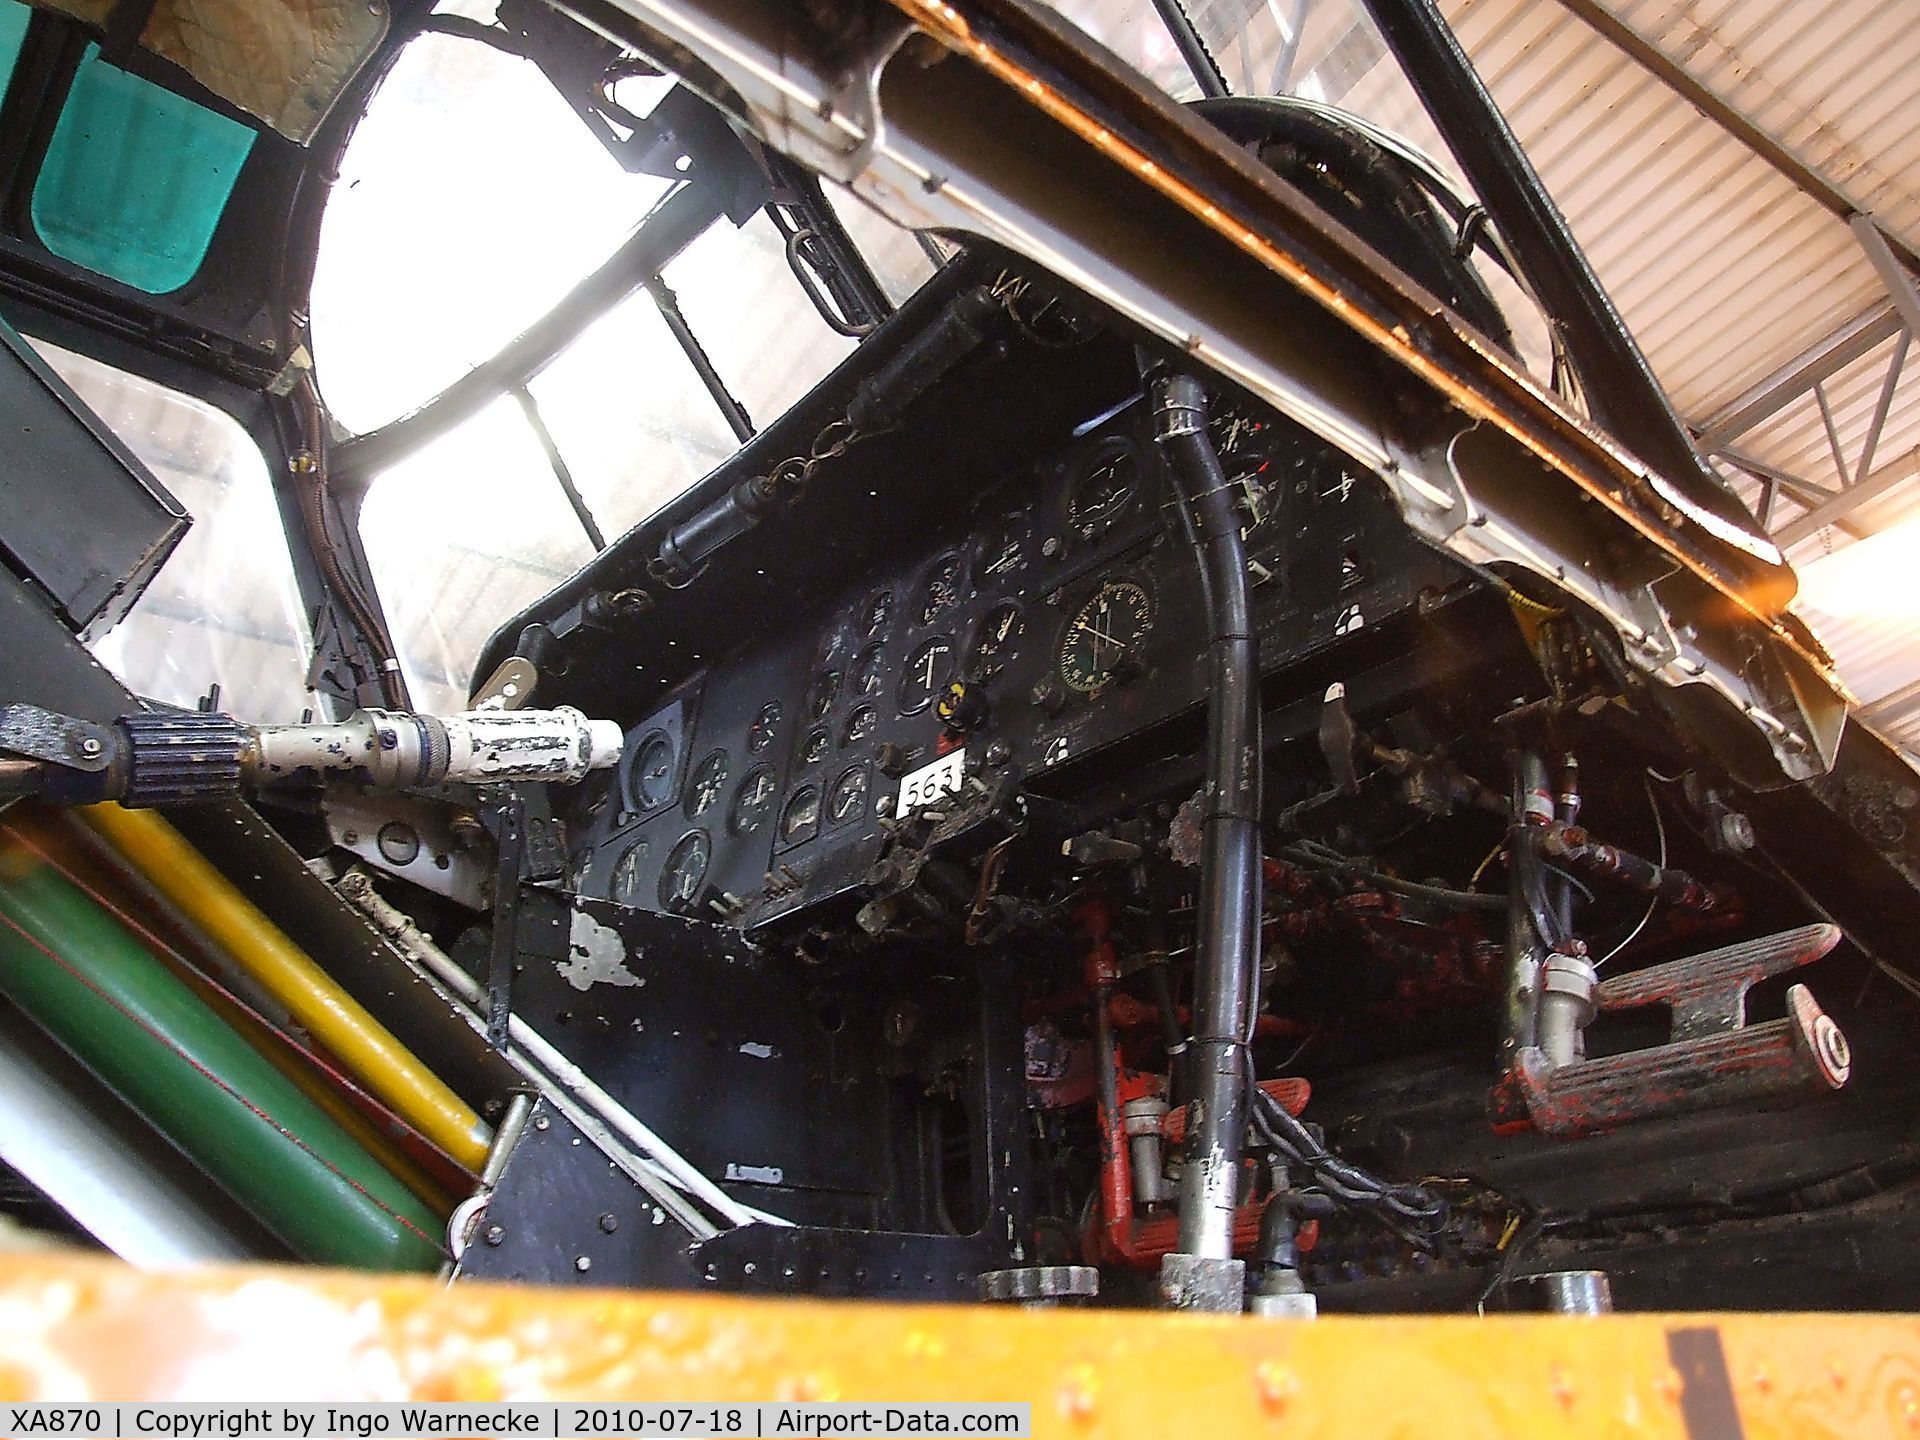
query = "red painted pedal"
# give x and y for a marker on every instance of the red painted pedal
(1715, 1057)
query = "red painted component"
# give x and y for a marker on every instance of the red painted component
(1715, 1057)
(1116, 1236)
(1096, 923)
(1291, 1092)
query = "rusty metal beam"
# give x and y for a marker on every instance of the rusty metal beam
(81, 1329)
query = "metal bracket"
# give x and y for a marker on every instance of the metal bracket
(510, 686)
(62, 740)
(505, 819)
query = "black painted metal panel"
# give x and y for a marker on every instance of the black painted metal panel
(79, 515)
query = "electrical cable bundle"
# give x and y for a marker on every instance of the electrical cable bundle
(1401, 1208)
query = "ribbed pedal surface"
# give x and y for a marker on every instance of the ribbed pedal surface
(1714, 1059)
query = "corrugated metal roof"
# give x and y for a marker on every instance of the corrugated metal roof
(1723, 269)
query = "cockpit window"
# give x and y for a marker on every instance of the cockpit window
(628, 416)
(1318, 54)
(470, 200)
(1134, 31)
(135, 178)
(741, 299)
(461, 534)
(13, 33)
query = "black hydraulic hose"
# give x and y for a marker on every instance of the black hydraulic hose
(1366, 874)
(1174, 1033)
(1230, 858)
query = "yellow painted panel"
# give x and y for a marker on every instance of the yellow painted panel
(78, 1329)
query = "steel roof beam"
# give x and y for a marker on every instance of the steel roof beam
(1892, 272)
(1893, 473)
(1826, 357)
(1736, 122)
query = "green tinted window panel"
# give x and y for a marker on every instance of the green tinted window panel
(13, 33)
(135, 178)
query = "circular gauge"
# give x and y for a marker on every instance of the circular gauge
(826, 689)
(752, 801)
(1004, 551)
(626, 882)
(926, 675)
(862, 723)
(996, 641)
(801, 816)
(848, 798)
(704, 789)
(650, 772)
(1104, 633)
(1103, 489)
(876, 613)
(1234, 434)
(765, 726)
(1242, 442)
(864, 677)
(943, 588)
(813, 749)
(685, 872)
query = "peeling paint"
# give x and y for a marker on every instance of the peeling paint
(596, 956)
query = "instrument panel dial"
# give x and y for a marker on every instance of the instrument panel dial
(1103, 489)
(650, 772)
(942, 591)
(996, 641)
(703, 791)
(753, 801)
(826, 689)
(765, 726)
(848, 799)
(1004, 552)
(801, 817)
(625, 887)
(814, 748)
(686, 872)
(1103, 635)
(927, 672)
(863, 678)
(862, 723)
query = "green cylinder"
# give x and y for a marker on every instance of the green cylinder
(79, 975)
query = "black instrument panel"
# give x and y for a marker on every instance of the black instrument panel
(1063, 616)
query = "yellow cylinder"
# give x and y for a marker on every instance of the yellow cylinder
(333, 1017)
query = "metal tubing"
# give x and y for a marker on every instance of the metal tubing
(1609, 862)
(668, 304)
(505, 1137)
(1186, 39)
(259, 947)
(1526, 952)
(1230, 862)
(398, 749)
(91, 986)
(1567, 1292)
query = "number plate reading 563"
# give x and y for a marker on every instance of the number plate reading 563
(927, 784)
